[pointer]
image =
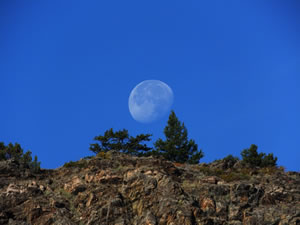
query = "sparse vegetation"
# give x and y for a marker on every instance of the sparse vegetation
(14, 151)
(189, 184)
(70, 198)
(103, 155)
(226, 175)
(254, 159)
(176, 147)
(234, 176)
(227, 162)
(78, 164)
(269, 170)
(120, 168)
(230, 159)
(210, 171)
(66, 194)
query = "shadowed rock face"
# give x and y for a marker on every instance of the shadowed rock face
(120, 189)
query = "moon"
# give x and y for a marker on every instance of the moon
(150, 100)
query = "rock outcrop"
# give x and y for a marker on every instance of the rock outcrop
(121, 190)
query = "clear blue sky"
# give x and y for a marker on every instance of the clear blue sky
(67, 69)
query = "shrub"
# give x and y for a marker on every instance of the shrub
(79, 164)
(234, 176)
(211, 171)
(35, 165)
(103, 155)
(16, 152)
(268, 170)
(254, 159)
(230, 160)
(268, 160)
(227, 176)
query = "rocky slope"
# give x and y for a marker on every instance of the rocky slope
(114, 188)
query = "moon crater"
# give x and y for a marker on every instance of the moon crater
(150, 100)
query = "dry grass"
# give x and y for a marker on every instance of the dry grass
(189, 184)
(270, 170)
(103, 155)
(234, 176)
(79, 164)
(229, 175)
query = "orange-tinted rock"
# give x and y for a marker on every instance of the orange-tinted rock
(125, 190)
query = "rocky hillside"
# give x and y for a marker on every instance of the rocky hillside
(114, 188)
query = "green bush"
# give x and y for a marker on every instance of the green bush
(16, 152)
(103, 155)
(268, 160)
(251, 157)
(79, 164)
(230, 160)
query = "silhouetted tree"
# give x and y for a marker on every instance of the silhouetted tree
(254, 159)
(121, 141)
(177, 147)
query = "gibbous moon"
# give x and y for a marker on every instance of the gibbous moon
(150, 100)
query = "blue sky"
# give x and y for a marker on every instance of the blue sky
(67, 69)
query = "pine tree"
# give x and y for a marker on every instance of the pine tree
(122, 142)
(177, 147)
(136, 148)
(35, 165)
(254, 159)
(15, 152)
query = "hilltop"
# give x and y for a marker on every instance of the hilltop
(120, 189)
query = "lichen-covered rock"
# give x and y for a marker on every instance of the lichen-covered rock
(118, 189)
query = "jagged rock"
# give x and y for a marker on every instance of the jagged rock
(122, 190)
(75, 186)
(211, 180)
(90, 200)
